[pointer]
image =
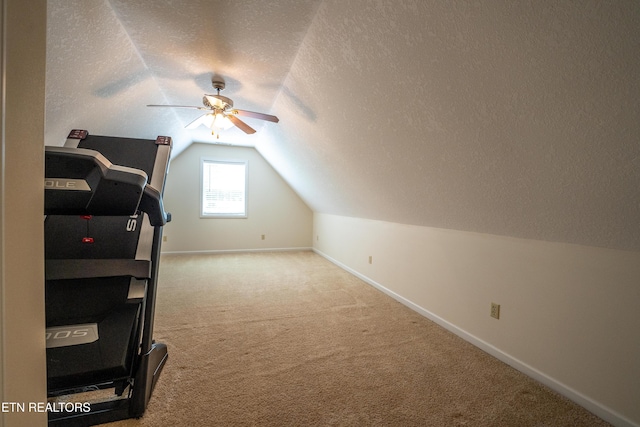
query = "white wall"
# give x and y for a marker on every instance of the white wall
(273, 208)
(569, 314)
(22, 323)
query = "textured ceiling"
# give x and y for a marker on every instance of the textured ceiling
(510, 118)
(108, 59)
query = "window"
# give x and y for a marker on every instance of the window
(224, 189)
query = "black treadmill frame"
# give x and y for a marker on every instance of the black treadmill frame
(151, 356)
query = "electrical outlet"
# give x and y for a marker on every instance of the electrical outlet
(495, 310)
(262, 237)
(370, 259)
(164, 238)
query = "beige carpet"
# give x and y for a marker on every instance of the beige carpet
(289, 339)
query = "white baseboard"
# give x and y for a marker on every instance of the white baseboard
(231, 251)
(589, 404)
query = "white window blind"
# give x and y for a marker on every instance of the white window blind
(224, 188)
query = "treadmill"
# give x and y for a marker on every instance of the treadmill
(103, 231)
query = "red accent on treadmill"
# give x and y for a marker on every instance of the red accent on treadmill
(78, 134)
(87, 240)
(87, 217)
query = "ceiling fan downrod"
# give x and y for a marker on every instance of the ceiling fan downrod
(218, 85)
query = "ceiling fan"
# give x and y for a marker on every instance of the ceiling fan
(220, 113)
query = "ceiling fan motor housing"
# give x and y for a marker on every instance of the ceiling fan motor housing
(220, 101)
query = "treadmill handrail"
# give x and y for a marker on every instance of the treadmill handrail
(83, 181)
(80, 181)
(107, 168)
(151, 204)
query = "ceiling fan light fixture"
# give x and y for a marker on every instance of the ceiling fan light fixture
(220, 122)
(208, 120)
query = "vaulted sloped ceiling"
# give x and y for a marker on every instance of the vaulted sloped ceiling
(511, 118)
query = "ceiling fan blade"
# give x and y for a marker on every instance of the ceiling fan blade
(240, 124)
(255, 115)
(197, 122)
(178, 106)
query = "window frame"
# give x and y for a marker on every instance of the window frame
(245, 163)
